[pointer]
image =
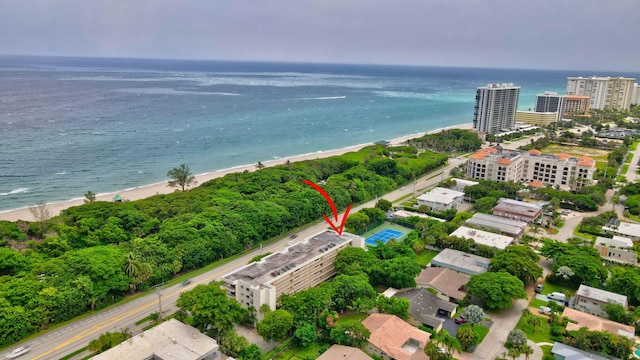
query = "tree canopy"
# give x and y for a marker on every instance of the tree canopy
(496, 290)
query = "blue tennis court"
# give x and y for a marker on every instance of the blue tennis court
(384, 236)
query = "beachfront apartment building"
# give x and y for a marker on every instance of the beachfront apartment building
(551, 102)
(635, 95)
(495, 109)
(577, 105)
(604, 92)
(498, 164)
(297, 267)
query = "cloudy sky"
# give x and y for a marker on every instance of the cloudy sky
(546, 34)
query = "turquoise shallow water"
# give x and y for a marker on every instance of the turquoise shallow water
(72, 125)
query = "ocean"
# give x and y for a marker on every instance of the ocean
(72, 125)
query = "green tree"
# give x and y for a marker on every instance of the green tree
(519, 261)
(495, 289)
(384, 205)
(449, 342)
(305, 335)
(350, 333)
(485, 204)
(276, 325)
(347, 289)
(400, 272)
(617, 313)
(393, 306)
(307, 305)
(466, 336)
(211, 308)
(473, 314)
(89, 197)
(251, 352)
(181, 177)
(516, 338)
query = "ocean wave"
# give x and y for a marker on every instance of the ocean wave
(61, 173)
(15, 191)
(406, 95)
(319, 98)
(169, 91)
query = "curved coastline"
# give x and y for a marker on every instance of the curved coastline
(145, 191)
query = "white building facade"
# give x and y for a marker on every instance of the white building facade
(495, 109)
(604, 92)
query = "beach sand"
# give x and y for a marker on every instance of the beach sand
(162, 188)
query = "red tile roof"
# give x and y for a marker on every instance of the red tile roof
(389, 333)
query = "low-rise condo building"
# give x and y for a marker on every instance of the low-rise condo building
(542, 119)
(618, 249)
(590, 300)
(504, 225)
(625, 229)
(518, 210)
(461, 262)
(297, 267)
(483, 237)
(440, 199)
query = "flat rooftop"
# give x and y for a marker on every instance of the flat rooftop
(169, 340)
(483, 237)
(461, 261)
(281, 262)
(601, 295)
(517, 207)
(618, 242)
(508, 226)
(407, 214)
(625, 228)
(441, 195)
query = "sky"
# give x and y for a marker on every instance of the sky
(533, 34)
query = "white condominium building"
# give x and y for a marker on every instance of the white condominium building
(495, 109)
(604, 92)
(531, 166)
(298, 267)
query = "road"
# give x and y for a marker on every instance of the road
(631, 174)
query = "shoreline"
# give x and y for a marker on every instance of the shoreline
(145, 191)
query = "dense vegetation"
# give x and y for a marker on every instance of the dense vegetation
(93, 255)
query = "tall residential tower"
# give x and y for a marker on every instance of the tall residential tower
(496, 106)
(550, 101)
(604, 92)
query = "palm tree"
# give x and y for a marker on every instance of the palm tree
(260, 165)
(526, 349)
(534, 321)
(132, 266)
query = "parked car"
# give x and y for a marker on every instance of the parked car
(460, 320)
(539, 288)
(545, 310)
(17, 352)
(558, 296)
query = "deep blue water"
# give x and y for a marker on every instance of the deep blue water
(70, 125)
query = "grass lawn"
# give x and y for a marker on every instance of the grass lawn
(577, 151)
(295, 352)
(425, 256)
(349, 317)
(481, 331)
(536, 303)
(546, 350)
(540, 334)
(634, 146)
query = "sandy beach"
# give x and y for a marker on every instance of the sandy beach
(162, 188)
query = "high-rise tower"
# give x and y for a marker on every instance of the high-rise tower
(496, 106)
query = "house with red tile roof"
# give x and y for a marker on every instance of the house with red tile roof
(393, 338)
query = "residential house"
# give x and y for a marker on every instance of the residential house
(561, 351)
(580, 319)
(460, 261)
(342, 352)
(425, 307)
(393, 338)
(447, 284)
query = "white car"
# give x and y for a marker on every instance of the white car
(17, 352)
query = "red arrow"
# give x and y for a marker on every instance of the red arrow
(333, 208)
